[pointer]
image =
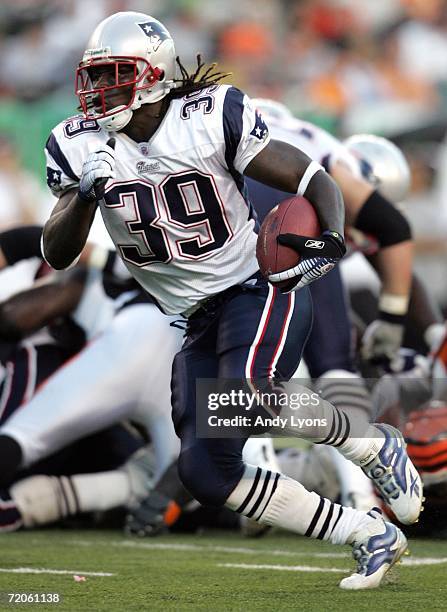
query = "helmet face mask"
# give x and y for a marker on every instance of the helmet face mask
(108, 87)
(129, 61)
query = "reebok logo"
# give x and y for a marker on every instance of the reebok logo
(370, 456)
(314, 244)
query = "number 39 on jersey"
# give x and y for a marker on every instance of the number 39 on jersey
(178, 205)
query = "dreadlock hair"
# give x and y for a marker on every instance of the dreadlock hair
(204, 76)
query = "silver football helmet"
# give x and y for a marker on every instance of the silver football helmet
(272, 109)
(382, 164)
(129, 61)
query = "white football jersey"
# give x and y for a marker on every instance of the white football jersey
(177, 210)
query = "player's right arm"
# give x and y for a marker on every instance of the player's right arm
(78, 167)
(66, 231)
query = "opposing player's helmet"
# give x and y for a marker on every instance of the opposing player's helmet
(382, 164)
(272, 109)
(138, 55)
(426, 436)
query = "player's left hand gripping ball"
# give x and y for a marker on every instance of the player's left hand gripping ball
(317, 257)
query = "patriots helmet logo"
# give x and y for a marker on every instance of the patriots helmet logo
(155, 32)
(260, 130)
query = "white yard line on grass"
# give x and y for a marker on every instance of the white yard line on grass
(204, 548)
(41, 570)
(312, 568)
(242, 550)
(424, 560)
(283, 568)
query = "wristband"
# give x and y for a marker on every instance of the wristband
(308, 175)
(394, 304)
(391, 318)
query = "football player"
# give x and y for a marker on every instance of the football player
(38, 335)
(165, 160)
(112, 315)
(106, 470)
(371, 219)
(329, 352)
(415, 401)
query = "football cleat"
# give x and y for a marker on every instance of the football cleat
(154, 515)
(395, 476)
(376, 548)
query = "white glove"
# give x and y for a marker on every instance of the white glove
(381, 341)
(97, 169)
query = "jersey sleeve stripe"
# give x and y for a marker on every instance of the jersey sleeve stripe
(55, 151)
(233, 109)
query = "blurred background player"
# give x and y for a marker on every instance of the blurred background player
(329, 353)
(40, 349)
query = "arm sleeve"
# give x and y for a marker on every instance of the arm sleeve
(382, 220)
(21, 243)
(245, 131)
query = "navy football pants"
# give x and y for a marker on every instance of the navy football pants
(249, 333)
(330, 345)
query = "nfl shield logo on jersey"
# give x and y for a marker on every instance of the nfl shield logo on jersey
(260, 130)
(155, 33)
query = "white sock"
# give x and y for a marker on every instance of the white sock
(355, 487)
(275, 499)
(101, 491)
(362, 450)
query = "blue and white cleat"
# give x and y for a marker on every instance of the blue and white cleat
(376, 548)
(395, 476)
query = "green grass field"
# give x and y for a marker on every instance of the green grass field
(216, 571)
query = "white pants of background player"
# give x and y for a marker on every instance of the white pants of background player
(123, 373)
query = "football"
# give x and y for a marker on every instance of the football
(295, 215)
